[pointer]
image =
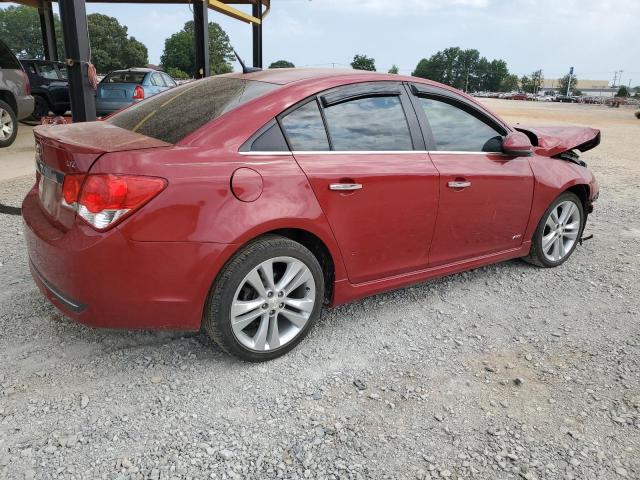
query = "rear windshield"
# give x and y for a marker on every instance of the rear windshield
(174, 114)
(124, 77)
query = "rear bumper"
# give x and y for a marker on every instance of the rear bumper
(105, 108)
(105, 280)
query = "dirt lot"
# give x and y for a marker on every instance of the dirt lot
(435, 364)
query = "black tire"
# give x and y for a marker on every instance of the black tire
(60, 111)
(5, 107)
(40, 107)
(536, 255)
(217, 314)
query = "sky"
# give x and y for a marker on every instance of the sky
(597, 37)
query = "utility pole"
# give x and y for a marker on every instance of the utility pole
(570, 78)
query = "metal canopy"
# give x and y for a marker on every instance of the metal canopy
(76, 39)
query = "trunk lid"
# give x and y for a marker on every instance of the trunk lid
(72, 149)
(553, 141)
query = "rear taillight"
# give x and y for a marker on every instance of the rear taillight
(104, 199)
(138, 93)
(27, 84)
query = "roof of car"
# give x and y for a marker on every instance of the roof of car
(283, 76)
(135, 69)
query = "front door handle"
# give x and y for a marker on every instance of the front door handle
(345, 187)
(459, 184)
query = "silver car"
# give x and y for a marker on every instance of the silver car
(16, 101)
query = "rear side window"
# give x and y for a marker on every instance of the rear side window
(48, 71)
(125, 77)
(456, 130)
(8, 59)
(172, 115)
(369, 124)
(305, 129)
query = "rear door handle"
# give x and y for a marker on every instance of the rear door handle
(345, 187)
(459, 184)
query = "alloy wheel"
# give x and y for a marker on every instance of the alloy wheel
(561, 231)
(6, 124)
(273, 303)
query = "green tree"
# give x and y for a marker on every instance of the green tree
(111, 46)
(463, 69)
(532, 83)
(282, 64)
(20, 30)
(509, 83)
(394, 69)
(362, 62)
(177, 74)
(564, 83)
(179, 50)
(623, 91)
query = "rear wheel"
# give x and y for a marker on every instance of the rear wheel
(265, 299)
(60, 110)
(8, 125)
(558, 232)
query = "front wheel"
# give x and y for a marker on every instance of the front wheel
(265, 299)
(40, 107)
(558, 232)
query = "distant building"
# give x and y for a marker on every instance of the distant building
(590, 88)
(154, 67)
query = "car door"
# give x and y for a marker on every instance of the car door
(361, 149)
(485, 196)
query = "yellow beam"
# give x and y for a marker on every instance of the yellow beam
(225, 9)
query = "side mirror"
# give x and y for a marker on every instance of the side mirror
(517, 144)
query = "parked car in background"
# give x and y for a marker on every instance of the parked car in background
(121, 88)
(565, 99)
(16, 102)
(49, 87)
(243, 203)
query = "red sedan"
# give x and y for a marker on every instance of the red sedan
(243, 203)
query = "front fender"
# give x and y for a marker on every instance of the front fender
(554, 176)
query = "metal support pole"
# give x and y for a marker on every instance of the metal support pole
(73, 16)
(257, 34)
(48, 31)
(201, 30)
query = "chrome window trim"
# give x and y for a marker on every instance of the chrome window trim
(371, 152)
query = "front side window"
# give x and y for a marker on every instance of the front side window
(305, 129)
(48, 71)
(369, 124)
(456, 130)
(157, 81)
(168, 81)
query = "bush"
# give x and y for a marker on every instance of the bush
(177, 74)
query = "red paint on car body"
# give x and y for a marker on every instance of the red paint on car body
(155, 268)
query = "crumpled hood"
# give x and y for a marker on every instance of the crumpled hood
(553, 141)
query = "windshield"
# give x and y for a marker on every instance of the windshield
(172, 115)
(124, 77)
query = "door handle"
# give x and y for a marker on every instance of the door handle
(345, 187)
(459, 184)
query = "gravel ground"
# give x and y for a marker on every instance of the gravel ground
(507, 371)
